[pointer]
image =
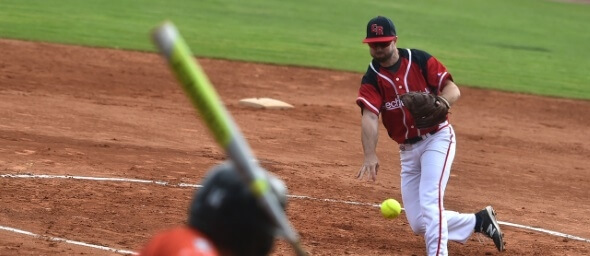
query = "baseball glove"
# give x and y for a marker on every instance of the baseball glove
(427, 109)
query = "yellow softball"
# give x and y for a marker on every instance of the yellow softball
(390, 208)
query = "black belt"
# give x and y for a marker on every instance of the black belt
(418, 138)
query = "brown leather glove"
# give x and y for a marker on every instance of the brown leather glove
(427, 109)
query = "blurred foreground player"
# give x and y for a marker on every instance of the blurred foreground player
(224, 219)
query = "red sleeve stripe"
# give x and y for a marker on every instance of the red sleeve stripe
(366, 102)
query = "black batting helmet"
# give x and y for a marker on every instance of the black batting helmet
(226, 211)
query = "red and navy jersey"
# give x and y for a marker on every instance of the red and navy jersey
(415, 70)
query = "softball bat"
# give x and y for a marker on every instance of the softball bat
(201, 92)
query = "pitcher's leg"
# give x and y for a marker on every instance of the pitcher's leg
(460, 225)
(432, 184)
(411, 201)
(436, 162)
(410, 187)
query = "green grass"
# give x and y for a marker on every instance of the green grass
(530, 46)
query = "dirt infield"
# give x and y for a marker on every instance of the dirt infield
(69, 110)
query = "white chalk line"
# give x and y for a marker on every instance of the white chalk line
(57, 239)
(164, 183)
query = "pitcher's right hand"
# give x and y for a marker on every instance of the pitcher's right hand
(370, 168)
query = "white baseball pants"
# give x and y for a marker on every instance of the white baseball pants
(425, 171)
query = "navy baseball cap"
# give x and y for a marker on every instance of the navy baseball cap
(380, 29)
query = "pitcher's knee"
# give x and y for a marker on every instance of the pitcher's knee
(418, 227)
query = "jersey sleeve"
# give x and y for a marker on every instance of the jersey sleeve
(369, 96)
(433, 70)
(437, 73)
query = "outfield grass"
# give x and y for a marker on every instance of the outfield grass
(531, 46)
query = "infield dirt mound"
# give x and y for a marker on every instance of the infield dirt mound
(109, 113)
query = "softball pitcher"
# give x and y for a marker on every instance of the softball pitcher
(413, 91)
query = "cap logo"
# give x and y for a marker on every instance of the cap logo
(378, 30)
